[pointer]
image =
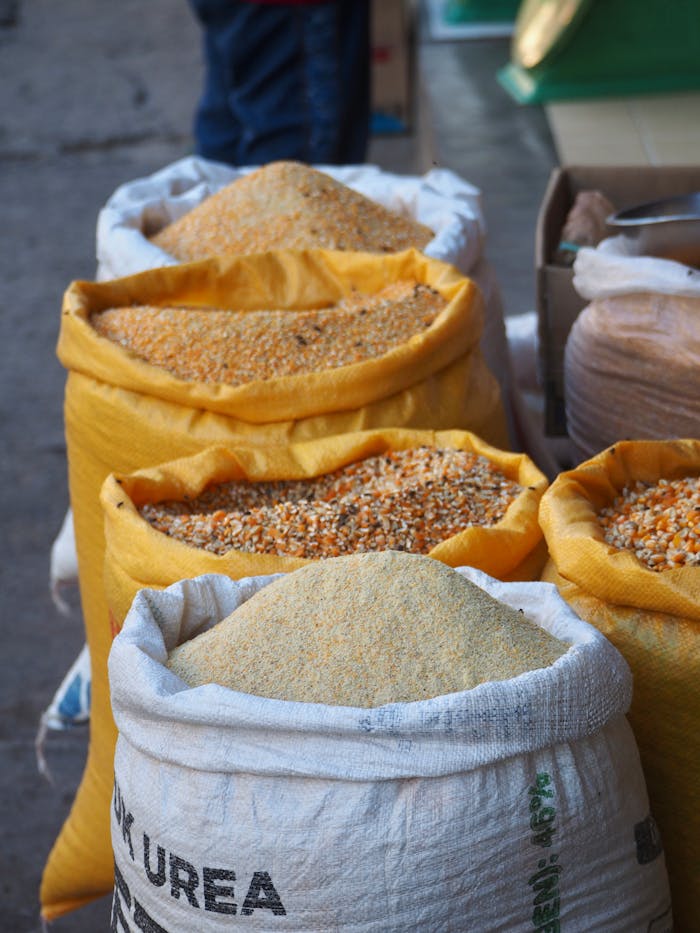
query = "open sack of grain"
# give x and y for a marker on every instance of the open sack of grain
(623, 531)
(195, 208)
(632, 358)
(246, 512)
(123, 413)
(376, 742)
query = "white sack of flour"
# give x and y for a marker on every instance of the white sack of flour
(517, 805)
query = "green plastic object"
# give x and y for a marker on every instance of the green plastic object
(611, 48)
(479, 11)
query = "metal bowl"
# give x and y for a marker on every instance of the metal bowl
(669, 228)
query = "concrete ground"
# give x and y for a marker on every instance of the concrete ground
(91, 96)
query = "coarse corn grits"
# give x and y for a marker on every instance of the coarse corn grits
(658, 522)
(214, 345)
(292, 206)
(404, 500)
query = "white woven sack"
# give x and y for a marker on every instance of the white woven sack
(63, 564)
(439, 199)
(517, 805)
(613, 268)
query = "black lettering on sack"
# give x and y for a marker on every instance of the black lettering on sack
(648, 839)
(156, 878)
(127, 821)
(144, 921)
(213, 891)
(121, 886)
(118, 922)
(217, 883)
(124, 819)
(117, 803)
(178, 883)
(142, 918)
(261, 883)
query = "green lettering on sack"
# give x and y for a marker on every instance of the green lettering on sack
(543, 838)
(544, 914)
(542, 818)
(544, 883)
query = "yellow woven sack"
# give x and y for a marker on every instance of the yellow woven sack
(139, 556)
(653, 618)
(122, 414)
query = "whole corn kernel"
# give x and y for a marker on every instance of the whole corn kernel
(658, 522)
(404, 500)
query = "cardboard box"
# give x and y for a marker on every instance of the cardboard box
(391, 66)
(558, 303)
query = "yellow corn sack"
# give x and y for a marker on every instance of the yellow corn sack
(653, 618)
(122, 414)
(137, 555)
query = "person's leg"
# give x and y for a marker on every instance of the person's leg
(253, 107)
(355, 80)
(336, 68)
(320, 70)
(284, 82)
(216, 131)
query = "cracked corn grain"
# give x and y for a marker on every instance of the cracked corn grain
(236, 347)
(658, 522)
(404, 500)
(292, 206)
(366, 630)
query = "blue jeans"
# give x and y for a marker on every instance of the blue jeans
(284, 82)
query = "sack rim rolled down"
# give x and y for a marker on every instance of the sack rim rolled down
(456, 331)
(440, 199)
(573, 698)
(567, 516)
(128, 534)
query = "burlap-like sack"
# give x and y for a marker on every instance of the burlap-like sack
(137, 555)
(654, 620)
(122, 414)
(632, 370)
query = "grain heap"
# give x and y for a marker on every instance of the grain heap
(658, 522)
(236, 347)
(292, 206)
(407, 500)
(365, 630)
